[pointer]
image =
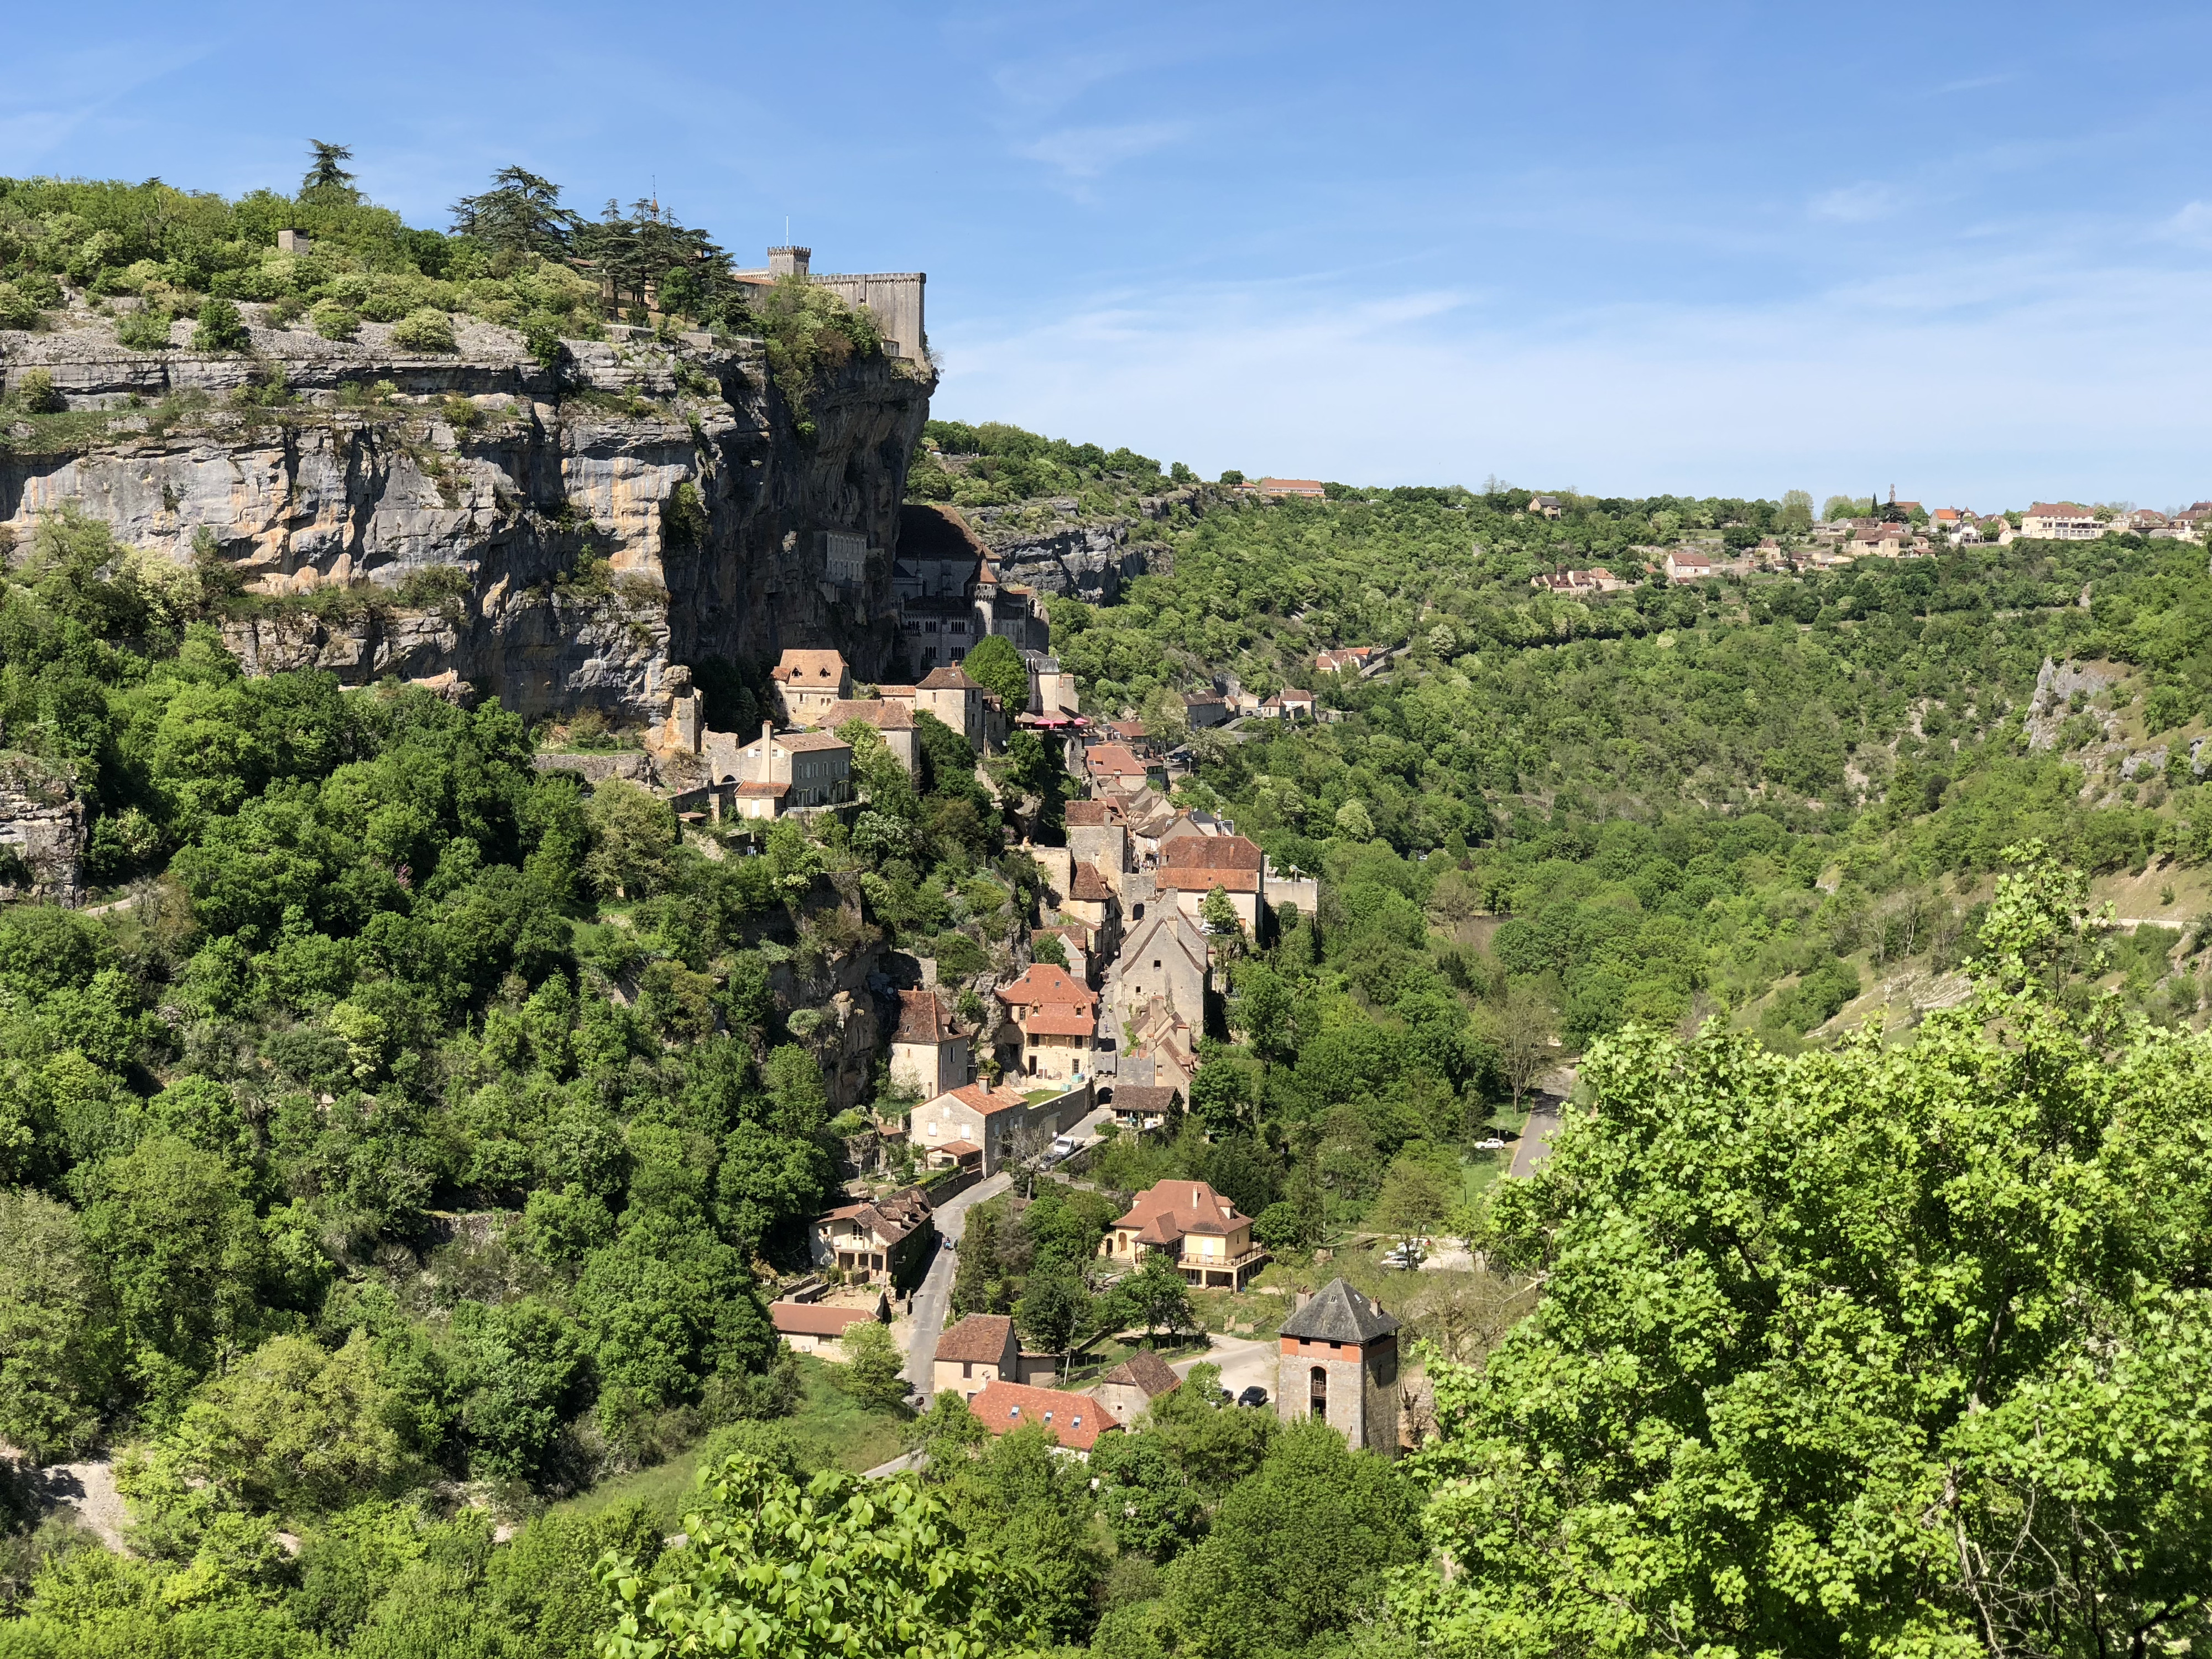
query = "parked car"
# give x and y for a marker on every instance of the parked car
(1489, 1145)
(1407, 1254)
(1254, 1395)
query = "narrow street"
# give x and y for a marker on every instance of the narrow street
(1534, 1144)
(934, 1295)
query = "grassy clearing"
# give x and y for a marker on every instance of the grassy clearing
(833, 1431)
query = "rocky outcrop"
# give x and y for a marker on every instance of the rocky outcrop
(41, 832)
(2056, 684)
(557, 537)
(1089, 560)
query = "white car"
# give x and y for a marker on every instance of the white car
(1489, 1146)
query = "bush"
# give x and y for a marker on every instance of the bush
(145, 329)
(35, 393)
(220, 328)
(334, 320)
(424, 330)
(17, 308)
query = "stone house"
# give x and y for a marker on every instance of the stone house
(930, 1050)
(1098, 836)
(1194, 1227)
(1128, 1390)
(1092, 901)
(1054, 1030)
(883, 1242)
(812, 1328)
(977, 1124)
(1164, 956)
(1141, 1107)
(787, 769)
(1114, 766)
(1203, 708)
(1192, 866)
(2060, 521)
(1337, 1361)
(808, 682)
(977, 1352)
(1684, 565)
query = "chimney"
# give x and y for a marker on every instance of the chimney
(768, 731)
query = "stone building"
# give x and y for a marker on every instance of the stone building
(808, 682)
(1128, 1390)
(930, 1050)
(975, 1353)
(884, 1242)
(781, 771)
(1162, 955)
(1339, 1362)
(893, 723)
(980, 1126)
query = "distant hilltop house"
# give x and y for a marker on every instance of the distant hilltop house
(1203, 708)
(1546, 507)
(1683, 566)
(893, 300)
(2060, 521)
(1349, 660)
(1308, 489)
(1574, 583)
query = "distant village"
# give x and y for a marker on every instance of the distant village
(1897, 530)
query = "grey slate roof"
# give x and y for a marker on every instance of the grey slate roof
(1338, 1314)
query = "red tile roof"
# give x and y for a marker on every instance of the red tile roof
(1212, 852)
(1075, 1420)
(1044, 982)
(821, 668)
(1091, 814)
(1147, 1371)
(924, 1018)
(1059, 1022)
(2057, 510)
(979, 1336)
(763, 790)
(812, 1319)
(1114, 758)
(1165, 1213)
(982, 1098)
(1205, 881)
(951, 677)
(882, 714)
(1088, 886)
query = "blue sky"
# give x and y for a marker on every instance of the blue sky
(1962, 248)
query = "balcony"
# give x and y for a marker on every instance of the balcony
(1222, 1272)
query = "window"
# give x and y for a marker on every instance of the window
(967, 1370)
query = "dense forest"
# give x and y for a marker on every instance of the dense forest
(400, 1148)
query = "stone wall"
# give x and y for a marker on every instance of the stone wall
(41, 831)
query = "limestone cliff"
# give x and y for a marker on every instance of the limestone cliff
(1053, 546)
(555, 537)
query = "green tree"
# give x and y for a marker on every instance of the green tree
(996, 665)
(58, 1349)
(633, 833)
(840, 1567)
(1157, 1297)
(1876, 1349)
(1297, 1552)
(326, 172)
(1412, 1200)
(180, 1246)
(873, 1363)
(1054, 1309)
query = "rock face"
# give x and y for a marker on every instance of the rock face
(555, 539)
(41, 832)
(2054, 685)
(1090, 562)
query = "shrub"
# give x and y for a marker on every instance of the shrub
(17, 308)
(541, 337)
(145, 329)
(334, 320)
(220, 328)
(424, 330)
(35, 393)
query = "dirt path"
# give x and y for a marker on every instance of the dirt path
(89, 1489)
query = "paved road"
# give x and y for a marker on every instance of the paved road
(1534, 1144)
(1243, 1360)
(935, 1295)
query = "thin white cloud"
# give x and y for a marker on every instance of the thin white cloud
(2192, 225)
(2086, 375)
(1085, 153)
(1854, 205)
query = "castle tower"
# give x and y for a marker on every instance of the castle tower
(1340, 1363)
(789, 261)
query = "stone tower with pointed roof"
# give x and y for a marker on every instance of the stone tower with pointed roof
(1340, 1363)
